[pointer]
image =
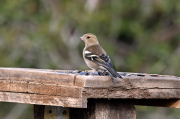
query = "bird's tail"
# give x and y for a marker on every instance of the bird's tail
(113, 73)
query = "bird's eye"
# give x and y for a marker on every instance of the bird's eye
(88, 37)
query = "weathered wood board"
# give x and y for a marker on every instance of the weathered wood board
(43, 99)
(73, 88)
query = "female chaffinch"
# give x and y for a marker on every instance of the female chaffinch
(95, 56)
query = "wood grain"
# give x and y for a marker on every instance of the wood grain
(42, 99)
(36, 76)
(128, 82)
(62, 87)
(4, 85)
(116, 93)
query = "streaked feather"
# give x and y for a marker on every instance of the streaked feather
(101, 58)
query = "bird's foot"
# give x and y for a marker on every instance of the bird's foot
(100, 74)
(105, 73)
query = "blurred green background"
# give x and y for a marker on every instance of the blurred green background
(139, 36)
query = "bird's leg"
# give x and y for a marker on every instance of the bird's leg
(104, 73)
(93, 72)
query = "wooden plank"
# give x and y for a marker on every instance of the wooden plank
(43, 99)
(4, 85)
(40, 88)
(13, 86)
(69, 91)
(105, 109)
(37, 76)
(155, 82)
(128, 82)
(54, 89)
(39, 111)
(175, 103)
(116, 93)
(93, 81)
(18, 86)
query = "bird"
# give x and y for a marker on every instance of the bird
(96, 57)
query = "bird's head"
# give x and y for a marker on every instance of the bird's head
(89, 39)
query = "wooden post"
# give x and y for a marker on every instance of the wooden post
(105, 109)
(97, 109)
(39, 111)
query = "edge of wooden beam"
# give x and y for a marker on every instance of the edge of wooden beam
(43, 99)
(174, 103)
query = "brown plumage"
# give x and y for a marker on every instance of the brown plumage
(96, 57)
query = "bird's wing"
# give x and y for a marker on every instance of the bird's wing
(97, 54)
(102, 60)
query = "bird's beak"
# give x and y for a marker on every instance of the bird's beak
(81, 38)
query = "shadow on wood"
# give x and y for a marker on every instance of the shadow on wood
(158, 102)
(105, 109)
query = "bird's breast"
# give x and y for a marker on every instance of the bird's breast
(91, 64)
